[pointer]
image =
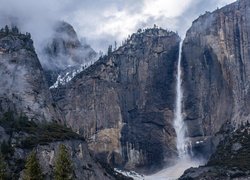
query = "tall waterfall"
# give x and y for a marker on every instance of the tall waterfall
(185, 161)
(179, 124)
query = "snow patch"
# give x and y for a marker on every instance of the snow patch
(64, 78)
(131, 174)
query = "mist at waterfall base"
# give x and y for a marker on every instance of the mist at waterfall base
(183, 145)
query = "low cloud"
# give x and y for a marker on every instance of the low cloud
(105, 21)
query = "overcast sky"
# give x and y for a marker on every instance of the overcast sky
(102, 22)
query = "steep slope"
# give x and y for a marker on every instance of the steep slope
(64, 53)
(217, 72)
(24, 89)
(30, 120)
(19, 136)
(123, 104)
(230, 160)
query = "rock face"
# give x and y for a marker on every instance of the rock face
(216, 67)
(29, 118)
(65, 50)
(230, 160)
(24, 89)
(19, 136)
(83, 164)
(123, 104)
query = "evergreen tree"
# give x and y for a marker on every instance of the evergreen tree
(63, 165)
(28, 35)
(5, 148)
(7, 29)
(32, 168)
(15, 30)
(3, 168)
(110, 50)
(115, 46)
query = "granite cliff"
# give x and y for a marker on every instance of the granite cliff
(216, 67)
(216, 87)
(123, 104)
(19, 136)
(64, 54)
(23, 85)
(29, 118)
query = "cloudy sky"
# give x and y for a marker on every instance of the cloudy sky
(101, 22)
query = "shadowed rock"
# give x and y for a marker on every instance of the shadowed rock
(123, 104)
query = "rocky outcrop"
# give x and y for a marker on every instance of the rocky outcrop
(216, 76)
(19, 136)
(230, 161)
(24, 89)
(64, 51)
(123, 104)
(83, 164)
(29, 118)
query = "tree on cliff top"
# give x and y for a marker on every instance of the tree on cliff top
(2, 167)
(63, 165)
(32, 169)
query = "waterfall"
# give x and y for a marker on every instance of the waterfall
(182, 142)
(179, 124)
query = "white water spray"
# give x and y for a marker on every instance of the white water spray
(184, 162)
(179, 124)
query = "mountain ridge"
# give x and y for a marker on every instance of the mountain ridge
(123, 104)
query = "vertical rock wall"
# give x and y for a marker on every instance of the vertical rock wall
(124, 103)
(216, 63)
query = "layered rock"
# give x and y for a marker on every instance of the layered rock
(24, 89)
(216, 74)
(123, 104)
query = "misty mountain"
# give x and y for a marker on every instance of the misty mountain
(29, 118)
(125, 98)
(118, 110)
(23, 85)
(64, 55)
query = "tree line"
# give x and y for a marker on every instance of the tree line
(13, 30)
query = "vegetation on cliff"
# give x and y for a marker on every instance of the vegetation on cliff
(32, 168)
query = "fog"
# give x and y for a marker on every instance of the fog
(104, 21)
(174, 172)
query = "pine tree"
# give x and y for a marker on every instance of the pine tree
(7, 29)
(110, 50)
(63, 165)
(32, 168)
(3, 174)
(15, 30)
(5, 148)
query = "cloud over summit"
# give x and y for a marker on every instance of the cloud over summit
(104, 21)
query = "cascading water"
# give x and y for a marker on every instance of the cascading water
(179, 124)
(182, 142)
